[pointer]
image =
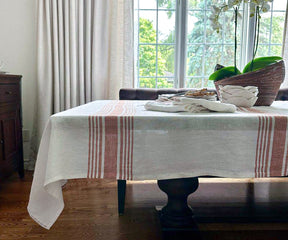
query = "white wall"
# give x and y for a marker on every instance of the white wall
(18, 51)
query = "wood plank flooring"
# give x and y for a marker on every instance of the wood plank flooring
(91, 210)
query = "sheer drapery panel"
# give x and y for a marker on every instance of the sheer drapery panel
(85, 53)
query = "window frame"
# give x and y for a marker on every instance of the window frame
(181, 33)
(181, 46)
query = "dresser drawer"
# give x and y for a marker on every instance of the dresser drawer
(9, 93)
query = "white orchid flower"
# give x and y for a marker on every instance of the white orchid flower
(265, 8)
(263, 5)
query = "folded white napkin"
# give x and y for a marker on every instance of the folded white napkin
(190, 105)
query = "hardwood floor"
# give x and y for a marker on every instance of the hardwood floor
(91, 210)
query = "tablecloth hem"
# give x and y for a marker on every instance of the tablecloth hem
(64, 179)
(46, 226)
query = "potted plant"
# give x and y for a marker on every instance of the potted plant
(267, 73)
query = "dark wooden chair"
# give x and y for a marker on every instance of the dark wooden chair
(152, 94)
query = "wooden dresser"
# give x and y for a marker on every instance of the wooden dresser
(11, 145)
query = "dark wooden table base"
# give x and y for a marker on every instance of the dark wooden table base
(177, 213)
(178, 221)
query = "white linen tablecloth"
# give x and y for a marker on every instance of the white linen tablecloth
(122, 140)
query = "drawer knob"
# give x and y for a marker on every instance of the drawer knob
(1, 141)
(8, 92)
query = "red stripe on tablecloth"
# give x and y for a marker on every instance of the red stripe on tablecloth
(264, 145)
(111, 144)
(258, 146)
(89, 147)
(262, 130)
(125, 147)
(104, 141)
(268, 141)
(100, 146)
(93, 146)
(132, 145)
(278, 150)
(121, 149)
(278, 144)
(129, 148)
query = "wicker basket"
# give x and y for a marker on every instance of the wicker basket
(268, 81)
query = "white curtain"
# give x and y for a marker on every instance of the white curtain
(85, 53)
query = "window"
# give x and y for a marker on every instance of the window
(175, 45)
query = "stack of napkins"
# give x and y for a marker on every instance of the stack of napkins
(184, 104)
(238, 95)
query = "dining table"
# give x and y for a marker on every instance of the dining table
(121, 140)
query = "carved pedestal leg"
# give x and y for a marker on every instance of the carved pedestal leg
(177, 213)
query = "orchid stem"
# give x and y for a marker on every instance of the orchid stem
(256, 37)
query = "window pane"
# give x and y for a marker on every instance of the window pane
(228, 55)
(279, 5)
(147, 27)
(166, 60)
(167, 4)
(265, 26)
(148, 4)
(196, 4)
(277, 27)
(229, 27)
(219, 54)
(271, 30)
(147, 60)
(194, 82)
(194, 60)
(155, 45)
(208, 83)
(263, 50)
(165, 82)
(166, 27)
(196, 23)
(276, 50)
(147, 82)
(212, 57)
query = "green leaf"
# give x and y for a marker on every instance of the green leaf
(260, 63)
(224, 73)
